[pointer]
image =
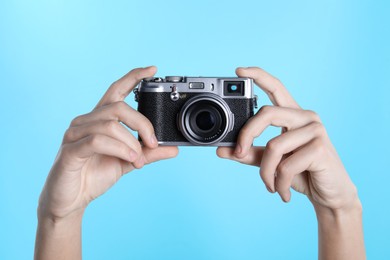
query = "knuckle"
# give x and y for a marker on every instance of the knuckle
(283, 169)
(265, 110)
(313, 115)
(277, 81)
(273, 146)
(124, 149)
(76, 120)
(69, 134)
(318, 146)
(319, 129)
(94, 140)
(111, 126)
(120, 105)
(139, 163)
(114, 84)
(138, 166)
(117, 109)
(265, 113)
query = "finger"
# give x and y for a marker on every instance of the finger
(293, 165)
(99, 144)
(159, 153)
(275, 90)
(281, 145)
(120, 111)
(111, 128)
(122, 87)
(253, 157)
(153, 155)
(275, 116)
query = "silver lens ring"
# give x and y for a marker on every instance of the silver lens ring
(215, 103)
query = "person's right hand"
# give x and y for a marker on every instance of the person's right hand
(97, 150)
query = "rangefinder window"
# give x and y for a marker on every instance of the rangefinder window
(234, 88)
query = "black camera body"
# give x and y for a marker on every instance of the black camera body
(196, 110)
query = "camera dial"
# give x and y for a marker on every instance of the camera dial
(149, 79)
(153, 79)
(173, 79)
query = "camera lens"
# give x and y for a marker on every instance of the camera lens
(205, 119)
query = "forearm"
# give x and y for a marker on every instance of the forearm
(340, 233)
(58, 239)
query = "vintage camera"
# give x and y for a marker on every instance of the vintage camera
(196, 110)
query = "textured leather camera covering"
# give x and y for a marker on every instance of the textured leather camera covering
(162, 113)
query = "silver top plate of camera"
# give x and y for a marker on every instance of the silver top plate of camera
(229, 87)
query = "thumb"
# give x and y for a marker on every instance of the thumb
(253, 157)
(159, 153)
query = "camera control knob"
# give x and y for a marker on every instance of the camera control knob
(173, 79)
(174, 94)
(157, 79)
(149, 79)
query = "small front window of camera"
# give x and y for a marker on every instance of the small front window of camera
(233, 88)
(196, 85)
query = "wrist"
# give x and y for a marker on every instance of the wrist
(54, 218)
(58, 238)
(352, 209)
(340, 231)
(48, 210)
(47, 217)
(64, 226)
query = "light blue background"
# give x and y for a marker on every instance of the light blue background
(58, 57)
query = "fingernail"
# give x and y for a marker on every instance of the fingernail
(284, 200)
(269, 189)
(238, 149)
(153, 140)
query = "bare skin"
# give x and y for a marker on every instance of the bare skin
(302, 158)
(97, 150)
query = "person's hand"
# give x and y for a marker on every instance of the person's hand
(98, 149)
(302, 157)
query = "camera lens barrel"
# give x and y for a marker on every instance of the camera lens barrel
(205, 119)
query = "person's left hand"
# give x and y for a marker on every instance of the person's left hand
(302, 157)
